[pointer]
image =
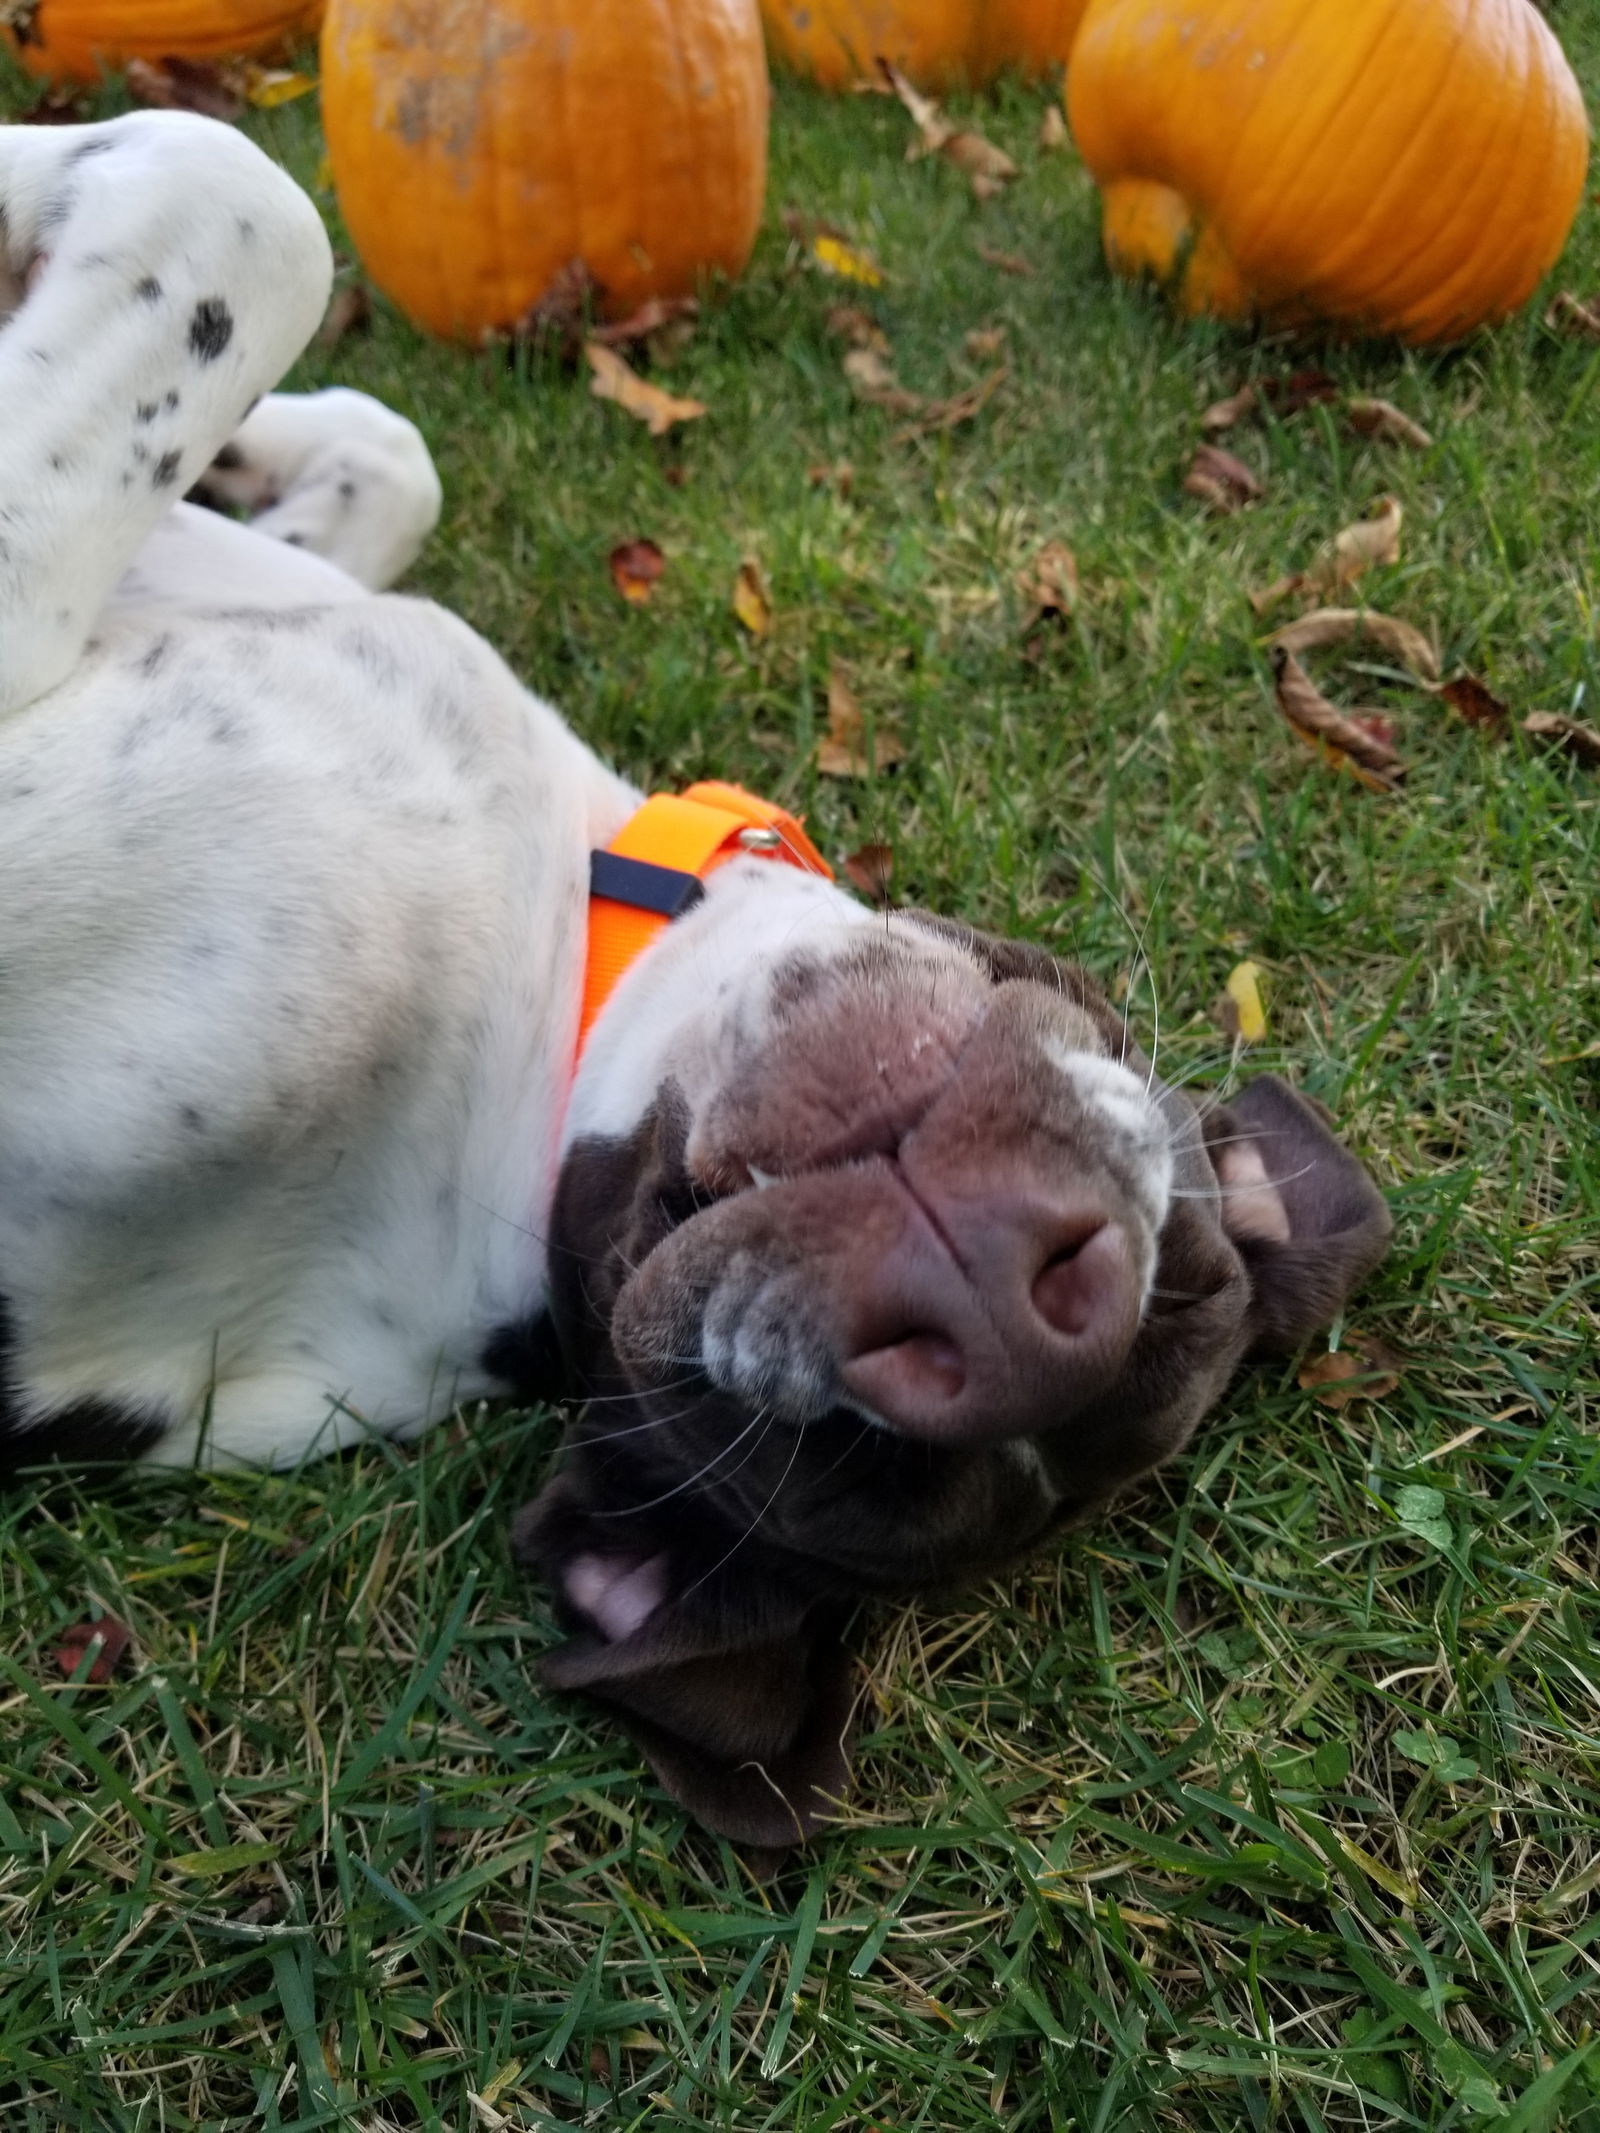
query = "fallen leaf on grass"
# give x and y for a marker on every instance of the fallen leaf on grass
(1352, 552)
(845, 750)
(1580, 741)
(268, 87)
(1474, 701)
(848, 261)
(840, 476)
(1050, 584)
(563, 313)
(752, 603)
(186, 85)
(1345, 742)
(349, 311)
(1223, 483)
(1326, 626)
(657, 318)
(635, 567)
(1570, 314)
(1240, 1010)
(1053, 127)
(868, 869)
(613, 380)
(848, 322)
(950, 414)
(1007, 262)
(108, 1637)
(1365, 1368)
(989, 168)
(1286, 396)
(59, 105)
(1384, 423)
(984, 343)
(872, 380)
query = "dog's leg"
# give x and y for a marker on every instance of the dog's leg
(335, 472)
(169, 273)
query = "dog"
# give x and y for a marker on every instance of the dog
(879, 1249)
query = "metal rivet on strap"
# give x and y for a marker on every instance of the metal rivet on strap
(760, 840)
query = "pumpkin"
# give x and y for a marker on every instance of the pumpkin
(1389, 166)
(481, 147)
(80, 40)
(938, 44)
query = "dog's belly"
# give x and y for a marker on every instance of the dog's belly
(291, 926)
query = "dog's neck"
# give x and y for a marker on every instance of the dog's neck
(696, 973)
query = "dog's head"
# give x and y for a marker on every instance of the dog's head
(907, 1260)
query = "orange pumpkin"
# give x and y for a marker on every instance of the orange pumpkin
(79, 40)
(938, 44)
(1391, 166)
(479, 147)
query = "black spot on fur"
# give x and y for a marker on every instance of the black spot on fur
(97, 145)
(246, 229)
(56, 209)
(171, 402)
(58, 463)
(147, 411)
(148, 289)
(165, 471)
(76, 1435)
(228, 458)
(191, 1120)
(347, 492)
(152, 661)
(210, 328)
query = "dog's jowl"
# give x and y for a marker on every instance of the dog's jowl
(881, 1247)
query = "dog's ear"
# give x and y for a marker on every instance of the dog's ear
(739, 1693)
(1303, 1214)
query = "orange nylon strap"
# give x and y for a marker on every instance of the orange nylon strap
(692, 833)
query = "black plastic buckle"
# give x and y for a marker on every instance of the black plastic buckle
(666, 891)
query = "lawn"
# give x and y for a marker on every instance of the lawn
(1274, 1799)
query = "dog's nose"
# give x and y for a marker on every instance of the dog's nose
(992, 1316)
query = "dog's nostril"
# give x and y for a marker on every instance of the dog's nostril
(1069, 1290)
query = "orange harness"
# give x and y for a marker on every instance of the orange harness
(654, 870)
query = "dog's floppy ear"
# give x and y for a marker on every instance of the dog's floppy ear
(1303, 1214)
(740, 1696)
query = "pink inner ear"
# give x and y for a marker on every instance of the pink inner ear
(1251, 1206)
(619, 1593)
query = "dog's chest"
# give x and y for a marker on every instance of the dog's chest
(292, 905)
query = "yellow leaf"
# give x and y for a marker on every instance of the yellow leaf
(1244, 990)
(751, 601)
(266, 87)
(322, 177)
(834, 256)
(613, 380)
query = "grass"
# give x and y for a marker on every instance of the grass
(1271, 1802)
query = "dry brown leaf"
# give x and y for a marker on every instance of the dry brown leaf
(1326, 626)
(838, 475)
(1354, 550)
(186, 85)
(869, 869)
(1223, 483)
(1053, 128)
(950, 414)
(848, 322)
(562, 313)
(752, 602)
(1570, 314)
(1365, 1368)
(872, 380)
(1050, 583)
(1007, 262)
(349, 311)
(1476, 702)
(1384, 423)
(105, 1632)
(845, 750)
(1344, 742)
(1553, 730)
(635, 566)
(613, 380)
(805, 228)
(1286, 396)
(658, 321)
(984, 343)
(984, 164)
(60, 104)
(933, 128)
